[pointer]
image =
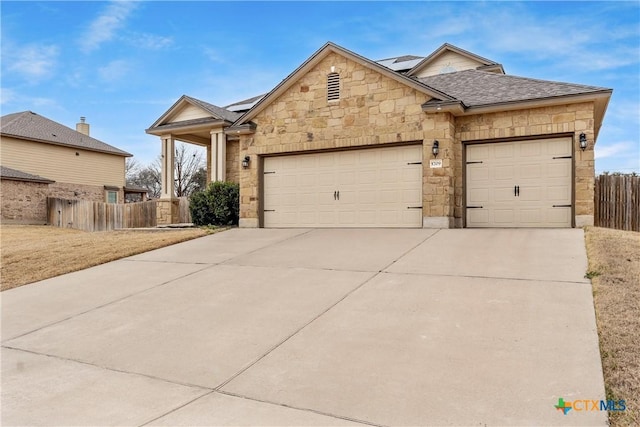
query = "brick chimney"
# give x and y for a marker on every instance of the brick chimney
(83, 127)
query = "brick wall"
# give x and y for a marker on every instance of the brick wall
(23, 202)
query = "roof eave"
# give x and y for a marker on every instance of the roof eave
(540, 102)
(38, 181)
(165, 129)
(60, 144)
(456, 108)
(241, 129)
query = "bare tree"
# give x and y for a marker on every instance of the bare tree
(188, 166)
(131, 168)
(188, 162)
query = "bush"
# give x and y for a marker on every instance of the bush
(218, 204)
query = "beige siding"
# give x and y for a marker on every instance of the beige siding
(61, 164)
(189, 112)
(448, 62)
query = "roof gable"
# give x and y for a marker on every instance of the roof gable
(318, 56)
(30, 126)
(448, 58)
(188, 109)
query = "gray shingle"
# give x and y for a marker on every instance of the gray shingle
(476, 88)
(217, 112)
(29, 125)
(16, 175)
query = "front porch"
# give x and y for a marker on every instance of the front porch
(195, 122)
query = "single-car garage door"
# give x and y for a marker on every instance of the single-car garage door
(374, 187)
(519, 184)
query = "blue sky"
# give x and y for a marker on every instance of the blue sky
(123, 64)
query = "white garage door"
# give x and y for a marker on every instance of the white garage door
(376, 187)
(519, 184)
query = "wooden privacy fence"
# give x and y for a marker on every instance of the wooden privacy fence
(617, 200)
(98, 216)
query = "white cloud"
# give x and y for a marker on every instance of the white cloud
(114, 70)
(612, 150)
(10, 97)
(149, 41)
(106, 26)
(33, 61)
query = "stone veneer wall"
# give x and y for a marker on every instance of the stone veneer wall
(373, 110)
(544, 122)
(23, 202)
(233, 161)
(376, 110)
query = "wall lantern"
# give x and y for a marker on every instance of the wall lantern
(245, 162)
(435, 149)
(583, 141)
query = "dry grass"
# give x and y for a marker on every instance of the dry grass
(32, 253)
(614, 266)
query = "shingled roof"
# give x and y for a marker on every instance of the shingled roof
(16, 175)
(476, 88)
(31, 126)
(217, 112)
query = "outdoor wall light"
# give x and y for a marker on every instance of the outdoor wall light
(435, 149)
(245, 162)
(583, 141)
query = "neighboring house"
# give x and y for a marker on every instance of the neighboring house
(76, 166)
(23, 196)
(447, 140)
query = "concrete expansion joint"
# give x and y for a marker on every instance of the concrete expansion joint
(467, 276)
(315, 411)
(294, 333)
(268, 245)
(171, 262)
(177, 408)
(109, 303)
(107, 368)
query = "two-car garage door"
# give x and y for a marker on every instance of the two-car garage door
(519, 184)
(376, 187)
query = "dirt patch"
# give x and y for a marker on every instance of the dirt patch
(614, 269)
(32, 253)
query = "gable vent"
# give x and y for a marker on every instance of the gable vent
(333, 86)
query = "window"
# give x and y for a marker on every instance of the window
(112, 197)
(333, 87)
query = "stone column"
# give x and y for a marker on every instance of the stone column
(222, 156)
(168, 153)
(167, 209)
(212, 157)
(438, 182)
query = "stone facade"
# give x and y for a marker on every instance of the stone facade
(561, 120)
(376, 110)
(233, 161)
(167, 211)
(373, 110)
(24, 202)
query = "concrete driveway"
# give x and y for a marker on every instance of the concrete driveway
(311, 327)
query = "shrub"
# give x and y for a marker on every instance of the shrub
(218, 204)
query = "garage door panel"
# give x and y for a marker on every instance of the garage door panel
(525, 165)
(370, 182)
